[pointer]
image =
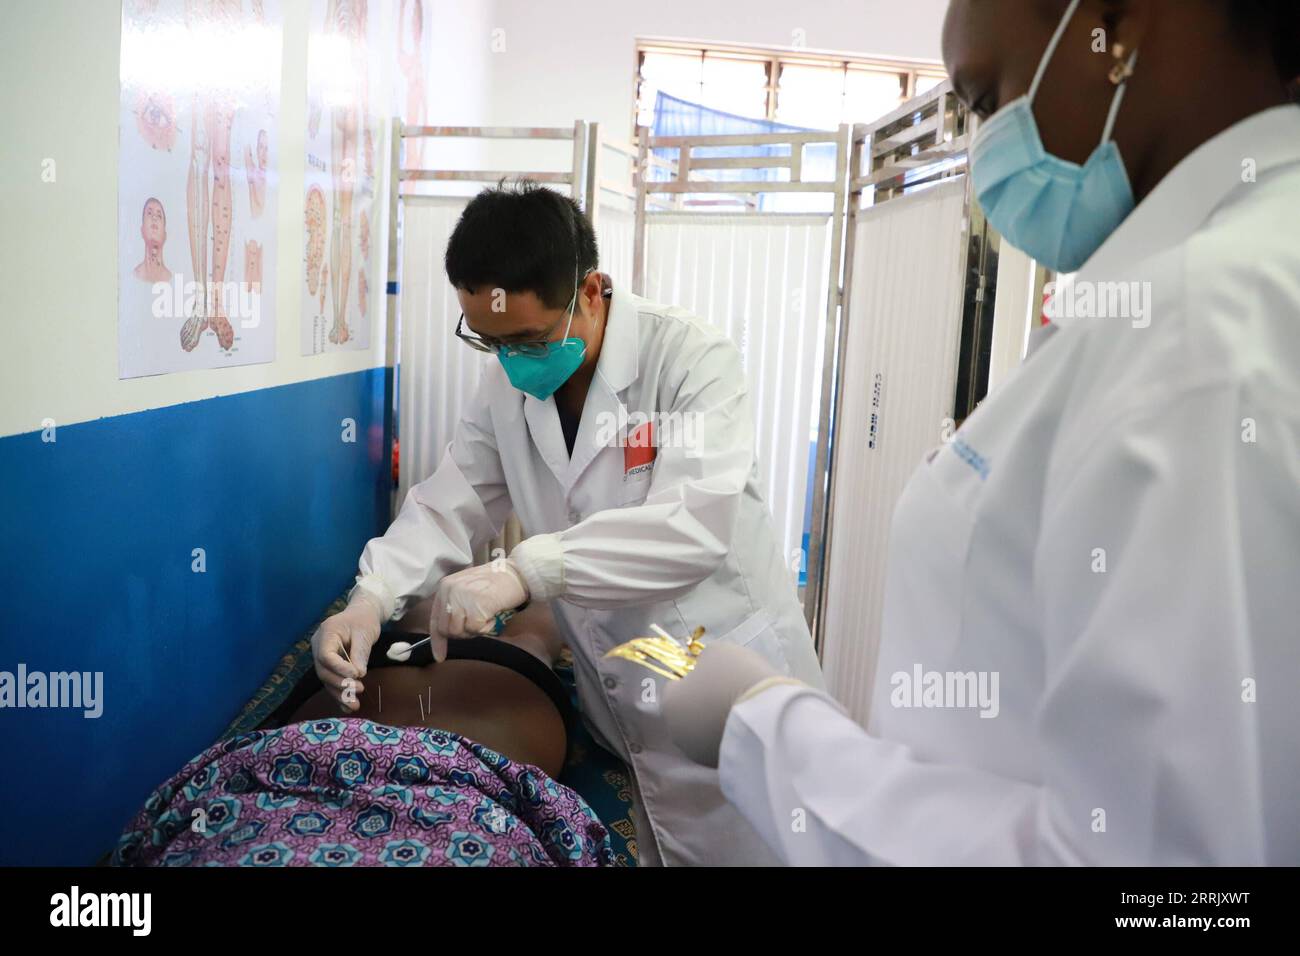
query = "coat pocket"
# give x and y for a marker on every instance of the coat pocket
(756, 633)
(635, 487)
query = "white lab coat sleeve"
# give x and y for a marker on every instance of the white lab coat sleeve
(821, 791)
(443, 520)
(1153, 751)
(663, 547)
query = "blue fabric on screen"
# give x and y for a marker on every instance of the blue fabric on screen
(678, 117)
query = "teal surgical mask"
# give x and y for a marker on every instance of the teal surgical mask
(540, 375)
(1056, 211)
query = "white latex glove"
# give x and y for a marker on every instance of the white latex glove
(467, 602)
(353, 630)
(696, 707)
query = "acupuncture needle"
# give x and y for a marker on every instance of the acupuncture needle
(344, 651)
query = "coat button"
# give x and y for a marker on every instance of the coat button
(635, 748)
(611, 682)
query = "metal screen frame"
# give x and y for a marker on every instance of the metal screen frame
(681, 183)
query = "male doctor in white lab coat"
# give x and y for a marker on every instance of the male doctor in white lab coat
(1115, 532)
(620, 434)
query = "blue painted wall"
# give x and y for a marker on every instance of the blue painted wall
(96, 553)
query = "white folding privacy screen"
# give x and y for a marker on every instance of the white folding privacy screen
(763, 279)
(901, 351)
(437, 375)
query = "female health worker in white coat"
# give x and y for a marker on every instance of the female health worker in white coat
(1115, 532)
(620, 433)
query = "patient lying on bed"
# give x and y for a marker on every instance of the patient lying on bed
(446, 764)
(499, 691)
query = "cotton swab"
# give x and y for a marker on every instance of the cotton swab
(401, 651)
(664, 634)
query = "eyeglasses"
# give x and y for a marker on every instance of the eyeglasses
(535, 347)
(482, 343)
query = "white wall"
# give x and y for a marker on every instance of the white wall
(460, 83)
(570, 59)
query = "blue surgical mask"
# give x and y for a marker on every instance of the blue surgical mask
(1056, 211)
(541, 375)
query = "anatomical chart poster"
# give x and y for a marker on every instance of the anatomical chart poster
(414, 47)
(197, 184)
(348, 102)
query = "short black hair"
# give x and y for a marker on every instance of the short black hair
(522, 237)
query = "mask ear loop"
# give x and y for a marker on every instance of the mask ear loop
(1119, 98)
(1051, 49)
(604, 294)
(569, 325)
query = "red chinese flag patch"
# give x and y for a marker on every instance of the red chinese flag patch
(640, 447)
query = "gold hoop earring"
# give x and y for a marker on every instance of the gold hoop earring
(1122, 69)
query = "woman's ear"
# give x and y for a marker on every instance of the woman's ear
(1123, 27)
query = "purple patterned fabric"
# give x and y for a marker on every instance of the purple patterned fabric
(350, 792)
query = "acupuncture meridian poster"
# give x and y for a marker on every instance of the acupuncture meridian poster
(197, 185)
(346, 106)
(366, 63)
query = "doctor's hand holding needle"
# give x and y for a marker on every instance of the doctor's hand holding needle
(341, 648)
